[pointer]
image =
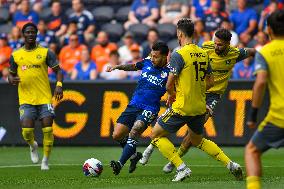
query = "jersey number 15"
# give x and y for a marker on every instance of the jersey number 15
(199, 67)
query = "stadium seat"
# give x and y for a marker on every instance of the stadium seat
(4, 15)
(68, 11)
(6, 28)
(46, 12)
(173, 44)
(122, 14)
(140, 32)
(103, 13)
(166, 31)
(115, 31)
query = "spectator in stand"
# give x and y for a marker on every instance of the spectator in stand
(261, 40)
(198, 9)
(173, 10)
(228, 25)
(39, 5)
(57, 22)
(152, 37)
(84, 19)
(124, 51)
(72, 29)
(101, 51)
(116, 74)
(44, 38)
(244, 21)
(5, 74)
(214, 17)
(143, 11)
(200, 35)
(5, 52)
(85, 69)
(71, 54)
(280, 3)
(25, 15)
(136, 57)
(244, 69)
(273, 6)
(16, 40)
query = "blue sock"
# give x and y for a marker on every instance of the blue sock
(128, 150)
(123, 141)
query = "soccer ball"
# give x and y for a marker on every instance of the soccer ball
(92, 167)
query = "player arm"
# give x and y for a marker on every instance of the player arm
(209, 78)
(261, 70)
(13, 76)
(126, 67)
(245, 53)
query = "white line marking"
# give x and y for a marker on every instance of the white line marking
(150, 165)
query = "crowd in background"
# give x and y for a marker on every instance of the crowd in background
(85, 50)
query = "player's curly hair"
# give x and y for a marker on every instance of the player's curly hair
(223, 34)
(276, 22)
(27, 25)
(162, 47)
(186, 26)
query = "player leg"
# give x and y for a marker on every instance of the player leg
(170, 123)
(27, 118)
(267, 136)
(46, 115)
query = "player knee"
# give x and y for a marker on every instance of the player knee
(251, 149)
(117, 136)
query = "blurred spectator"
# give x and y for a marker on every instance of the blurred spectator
(5, 52)
(143, 11)
(173, 10)
(84, 19)
(265, 13)
(200, 34)
(227, 25)
(116, 74)
(71, 54)
(44, 38)
(5, 73)
(213, 17)
(198, 9)
(14, 6)
(25, 15)
(244, 69)
(244, 20)
(280, 3)
(86, 69)
(152, 37)
(261, 39)
(101, 51)
(72, 29)
(136, 57)
(57, 22)
(39, 5)
(16, 40)
(124, 51)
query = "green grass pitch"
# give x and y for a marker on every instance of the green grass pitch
(16, 170)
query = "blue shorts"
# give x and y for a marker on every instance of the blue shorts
(212, 100)
(35, 112)
(270, 136)
(132, 114)
(172, 122)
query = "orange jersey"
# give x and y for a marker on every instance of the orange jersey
(68, 57)
(5, 53)
(100, 55)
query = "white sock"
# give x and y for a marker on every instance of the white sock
(228, 165)
(45, 159)
(181, 167)
(150, 148)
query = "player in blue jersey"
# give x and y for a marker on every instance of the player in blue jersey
(144, 105)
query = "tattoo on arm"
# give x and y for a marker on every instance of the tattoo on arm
(126, 67)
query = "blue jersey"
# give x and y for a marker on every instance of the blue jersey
(151, 86)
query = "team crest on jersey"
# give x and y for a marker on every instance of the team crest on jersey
(38, 56)
(24, 67)
(164, 74)
(228, 62)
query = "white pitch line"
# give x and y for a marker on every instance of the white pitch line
(150, 165)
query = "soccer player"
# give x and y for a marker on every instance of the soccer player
(222, 57)
(269, 69)
(144, 105)
(189, 77)
(28, 70)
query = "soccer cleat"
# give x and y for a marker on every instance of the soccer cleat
(44, 166)
(182, 174)
(146, 156)
(34, 153)
(116, 167)
(236, 170)
(168, 168)
(134, 161)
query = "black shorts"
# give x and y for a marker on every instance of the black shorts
(172, 122)
(270, 136)
(212, 100)
(132, 114)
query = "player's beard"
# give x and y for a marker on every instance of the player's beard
(179, 42)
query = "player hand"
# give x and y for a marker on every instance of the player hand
(109, 69)
(251, 124)
(58, 93)
(170, 100)
(14, 80)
